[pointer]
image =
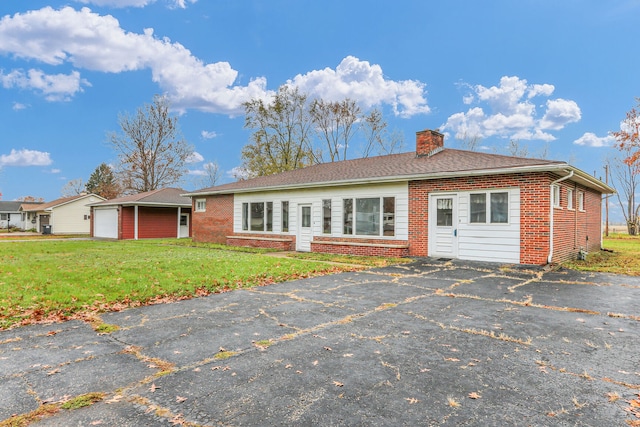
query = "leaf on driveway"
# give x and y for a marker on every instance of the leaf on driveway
(474, 395)
(180, 399)
(412, 400)
(338, 384)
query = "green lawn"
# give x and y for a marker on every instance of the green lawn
(622, 256)
(45, 279)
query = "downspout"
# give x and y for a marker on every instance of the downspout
(550, 257)
(179, 213)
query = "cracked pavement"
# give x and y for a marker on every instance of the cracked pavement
(433, 342)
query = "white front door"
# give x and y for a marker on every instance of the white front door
(184, 225)
(305, 233)
(443, 225)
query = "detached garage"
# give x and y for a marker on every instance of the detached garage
(150, 215)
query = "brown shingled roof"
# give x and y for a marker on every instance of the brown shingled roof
(389, 167)
(162, 196)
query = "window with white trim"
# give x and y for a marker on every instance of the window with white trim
(285, 216)
(326, 216)
(201, 205)
(257, 216)
(580, 200)
(556, 196)
(570, 199)
(369, 216)
(496, 210)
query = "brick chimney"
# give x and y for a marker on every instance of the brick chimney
(427, 141)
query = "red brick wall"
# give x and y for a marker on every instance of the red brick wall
(270, 241)
(570, 231)
(216, 223)
(575, 229)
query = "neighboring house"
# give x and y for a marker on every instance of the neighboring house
(152, 214)
(67, 215)
(12, 217)
(434, 202)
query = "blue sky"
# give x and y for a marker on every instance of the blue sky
(554, 75)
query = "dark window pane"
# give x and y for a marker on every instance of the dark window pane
(326, 216)
(478, 208)
(269, 216)
(444, 212)
(285, 216)
(306, 216)
(347, 216)
(389, 216)
(257, 216)
(245, 216)
(499, 208)
(368, 216)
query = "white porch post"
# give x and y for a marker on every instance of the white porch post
(135, 222)
(179, 213)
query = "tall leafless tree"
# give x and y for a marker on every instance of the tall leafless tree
(151, 151)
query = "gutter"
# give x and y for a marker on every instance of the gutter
(550, 257)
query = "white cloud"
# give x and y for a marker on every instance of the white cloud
(95, 42)
(135, 3)
(366, 84)
(195, 157)
(511, 113)
(19, 106)
(55, 170)
(590, 139)
(118, 3)
(208, 134)
(25, 157)
(54, 87)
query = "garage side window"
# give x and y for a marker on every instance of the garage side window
(201, 205)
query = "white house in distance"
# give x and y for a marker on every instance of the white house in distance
(12, 217)
(67, 215)
(436, 201)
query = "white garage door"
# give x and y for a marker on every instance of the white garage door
(105, 223)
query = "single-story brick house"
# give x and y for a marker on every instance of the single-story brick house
(66, 215)
(152, 214)
(435, 202)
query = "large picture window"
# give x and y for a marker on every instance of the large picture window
(371, 216)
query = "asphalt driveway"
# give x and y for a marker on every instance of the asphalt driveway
(434, 342)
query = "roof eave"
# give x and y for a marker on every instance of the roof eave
(556, 167)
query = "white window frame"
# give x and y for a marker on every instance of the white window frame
(570, 199)
(201, 205)
(581, 201)
(352, 214)
(556, 195)
(488, 206)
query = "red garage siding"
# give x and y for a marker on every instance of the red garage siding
(153, 222)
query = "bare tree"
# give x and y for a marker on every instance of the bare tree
(30, 199)
(210, 176)
(335, 124)
(74, 187)
(151, 150)
(281, 137)
(626, 178)
(470, 142)
(628, 168)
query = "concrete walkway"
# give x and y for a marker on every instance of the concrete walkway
(434, 342)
